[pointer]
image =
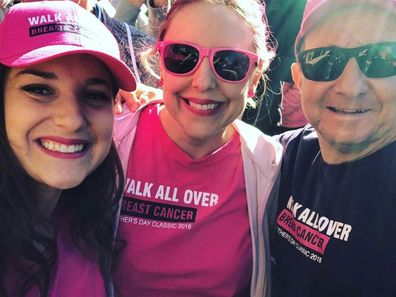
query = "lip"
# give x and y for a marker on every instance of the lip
(202, 107)
(63, 148)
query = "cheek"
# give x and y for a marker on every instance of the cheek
(10, 113)
(314, 94)
(173, 87)
(236, 93)
(108, 124)
(384, 90)
(169, 99)
(174, 84)
(102, 123)
(18, 123)
(389, 110)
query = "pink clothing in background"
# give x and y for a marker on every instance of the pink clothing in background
(292, 113)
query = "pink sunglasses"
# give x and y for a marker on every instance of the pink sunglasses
(228, 64)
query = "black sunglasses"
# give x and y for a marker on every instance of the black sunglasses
(376, 60)
(228, 64)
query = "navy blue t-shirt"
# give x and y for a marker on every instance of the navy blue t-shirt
(334, 229)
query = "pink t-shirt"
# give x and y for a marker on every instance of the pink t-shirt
(185, 221)
(74, 274)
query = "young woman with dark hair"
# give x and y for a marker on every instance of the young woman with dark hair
(60, 178)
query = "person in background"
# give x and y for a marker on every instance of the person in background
(292, 114)
(131, 42)
(197, 177)
(60, 178)
(4, 5)
(132, 11)
(284, 18)
(332, 222)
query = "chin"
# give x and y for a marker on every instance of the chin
(64, 183)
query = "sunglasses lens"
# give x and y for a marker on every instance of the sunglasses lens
(322, 64)
(375, 60)
(378, 60)
(180, 58)
(231, 65)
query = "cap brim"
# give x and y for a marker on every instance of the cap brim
(120, 71)
(322, 9)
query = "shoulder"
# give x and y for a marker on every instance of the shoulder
(127, 121)
(306, 135)
(300, 146)
(251, 135)
(262, 149)
(124, 130)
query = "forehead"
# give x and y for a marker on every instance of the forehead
(353, 26)
(88, 66)
(210, 25)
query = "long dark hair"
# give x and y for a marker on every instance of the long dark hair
(28, 238)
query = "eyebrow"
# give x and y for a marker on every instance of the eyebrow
(98, 81)
(51, 75)
(43, 74)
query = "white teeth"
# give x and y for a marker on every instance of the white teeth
(63, 148)
(204, 106)
(351, 111)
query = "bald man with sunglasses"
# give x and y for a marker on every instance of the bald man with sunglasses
(332, 222)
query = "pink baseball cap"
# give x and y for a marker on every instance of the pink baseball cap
(316, 10)
(36, 32)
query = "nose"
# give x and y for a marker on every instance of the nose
(69, 113)
(352, 82)
(203, 78)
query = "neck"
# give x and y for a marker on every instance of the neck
(196, 148)
(48, 199)
(341, 153)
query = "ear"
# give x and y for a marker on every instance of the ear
(160, 68)
(256, 78)
(297, 74)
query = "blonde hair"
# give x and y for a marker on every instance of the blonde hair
(252, 12)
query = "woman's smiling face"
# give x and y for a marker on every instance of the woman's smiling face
(199, 106)
(59, 118)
